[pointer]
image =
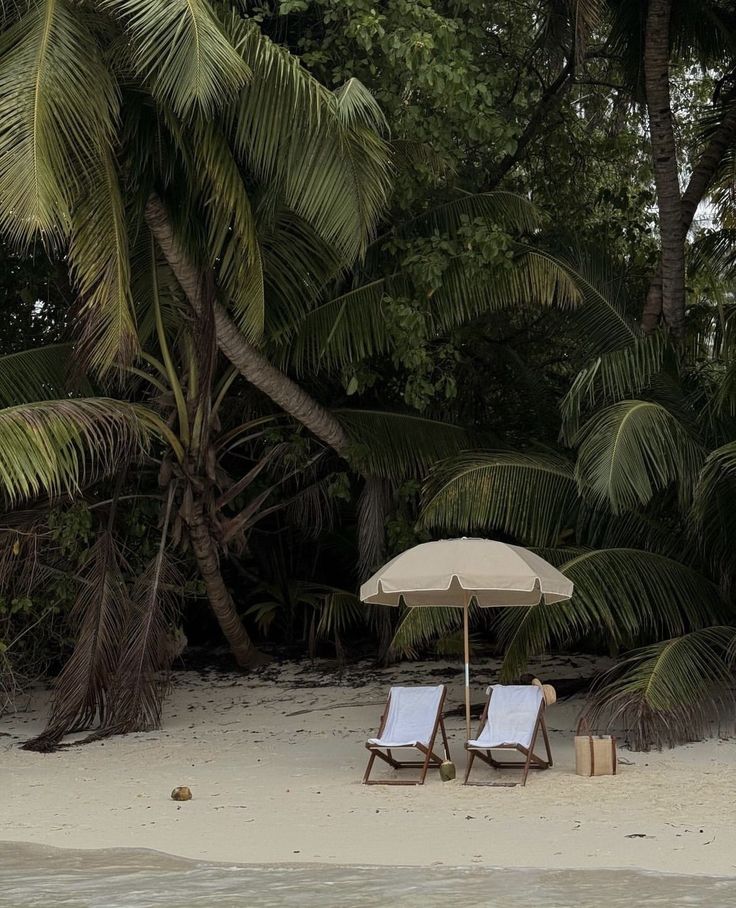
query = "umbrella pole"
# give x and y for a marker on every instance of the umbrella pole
(466, 639)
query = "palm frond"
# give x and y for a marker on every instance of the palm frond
(233, 239)
(613, 376)
(531, 496)
(57, 446)
(374, 505)
(179, 47)
(506, 209)
(58, 106)
(140, 683)
(601, 314)
(418, 627)
(82, 690)
(631, 450)
(99, 261)
(668, 693)
(39, 373)
(322, 149)
(399, 445)
(622, 596)
(352, 326)
(714, 510)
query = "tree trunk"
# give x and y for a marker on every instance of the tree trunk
(205, 551)
(700, 179)
(666, 174)
(246, 358)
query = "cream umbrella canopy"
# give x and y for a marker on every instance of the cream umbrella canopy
(452, 572)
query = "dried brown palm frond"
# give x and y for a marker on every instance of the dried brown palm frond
(141, 682)
(100, 614)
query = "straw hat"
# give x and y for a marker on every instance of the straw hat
(550, 694)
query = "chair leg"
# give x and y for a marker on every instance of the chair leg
(369, 767)
(471, 757)
(531, 751)
(546, 742)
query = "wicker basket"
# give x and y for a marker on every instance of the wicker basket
(595, 755)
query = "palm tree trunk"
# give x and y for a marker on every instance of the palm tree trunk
(205, 551)
(666, 174)
(246, 358)
(700, 179)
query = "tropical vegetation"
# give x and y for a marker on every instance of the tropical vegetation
(290, 286)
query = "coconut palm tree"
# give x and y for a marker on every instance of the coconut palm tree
(636, 509)
(184, 115)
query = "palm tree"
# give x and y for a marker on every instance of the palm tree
(184, 115)
(638, 517)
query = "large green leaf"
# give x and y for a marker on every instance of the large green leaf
(322, 149)
(181, 50)
(621, 595)
(714, 510)
(670, 692)
(631, 450)
(613, 376)
(400, 445)
(58, 106)
(353, 325)
(40, 373)
(533, 496)
(99, 261)
(56, 446)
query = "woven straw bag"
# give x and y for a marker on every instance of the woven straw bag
(595, 755)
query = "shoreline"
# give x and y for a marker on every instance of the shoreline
(274, 761)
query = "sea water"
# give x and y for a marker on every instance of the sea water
(34, 876)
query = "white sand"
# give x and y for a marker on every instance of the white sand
(275, 762)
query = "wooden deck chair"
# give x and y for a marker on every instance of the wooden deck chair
(511, 720)
(411, 718)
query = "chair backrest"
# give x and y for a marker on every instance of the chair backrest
(412, 713)
(512, 712)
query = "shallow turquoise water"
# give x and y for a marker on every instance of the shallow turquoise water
(38, 877)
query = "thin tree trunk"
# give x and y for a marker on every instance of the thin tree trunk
(666, 174)
(205, 551)
(700, 179)
(246, 358)
(549, 101)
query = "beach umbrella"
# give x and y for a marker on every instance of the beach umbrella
(454, 572)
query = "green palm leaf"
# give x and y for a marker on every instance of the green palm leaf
(419, 627)
(233, 239)
(622, 595)
(322, 149)
(58, 106)
(613, 376)
(533, 497)
(179, 47)
(99, 261)
(506, 209)
(601, 315)
(670, 692)
(41, 373)
(57, 446)
(399, 445)
(352, 326)
(714, 509)
(631, 450)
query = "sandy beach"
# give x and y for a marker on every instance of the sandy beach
(275, 761)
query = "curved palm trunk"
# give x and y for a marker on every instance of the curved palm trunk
(205, 551)
(666, 175)
(246, 358)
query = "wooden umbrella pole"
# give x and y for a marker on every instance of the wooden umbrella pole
(466, 637)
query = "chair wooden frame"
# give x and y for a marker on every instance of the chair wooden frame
(531, 760)
(431, 759)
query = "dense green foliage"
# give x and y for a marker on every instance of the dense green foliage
(433, 241)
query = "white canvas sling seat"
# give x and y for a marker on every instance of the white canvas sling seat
(411, 718)
(512, 717)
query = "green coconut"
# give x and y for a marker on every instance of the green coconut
(447, 771)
